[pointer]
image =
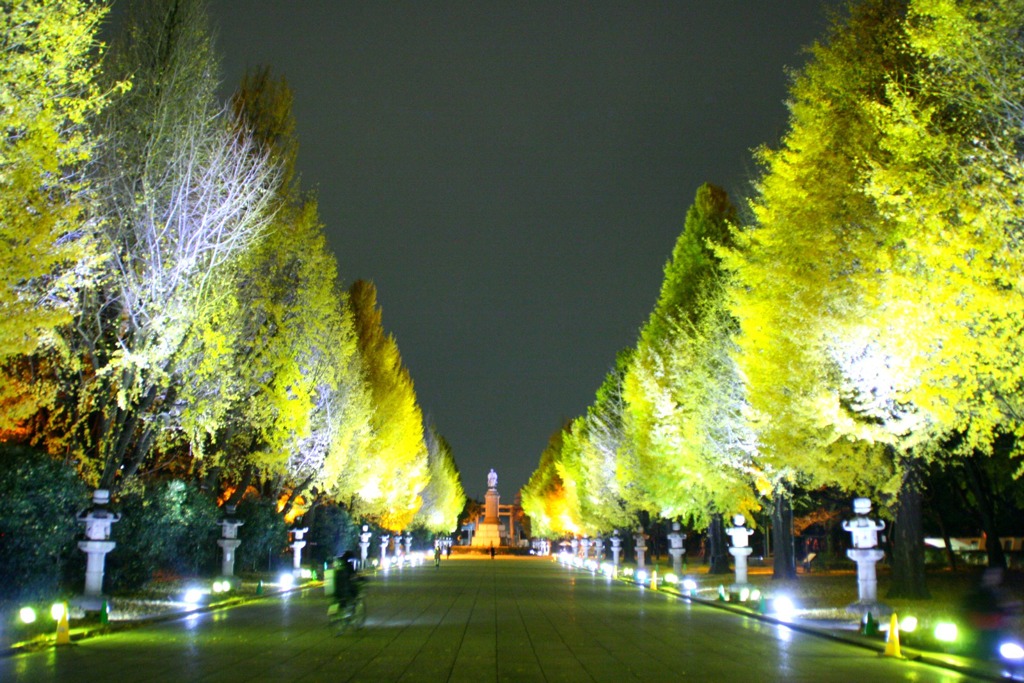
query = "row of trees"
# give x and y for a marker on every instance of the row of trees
(169, 307)
(859, 327)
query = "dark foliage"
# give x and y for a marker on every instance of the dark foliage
(331, 532)
(263, 535)
(38, 529)
(170, 527)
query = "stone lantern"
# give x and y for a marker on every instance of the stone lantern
(740, 549)
(598, 548)
(385, 539)
(364, 545)
(97, 520)
(585, 547)
(229, 541)
(866, 553)
(676, 548)
(616, 547)
(407, 539)
(297, 545)
(641, 548)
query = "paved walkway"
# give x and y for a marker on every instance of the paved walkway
(471, 620)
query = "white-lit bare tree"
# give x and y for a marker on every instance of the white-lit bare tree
(185, 190)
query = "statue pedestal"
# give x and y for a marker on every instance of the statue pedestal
(677, 559)
(228, 545)
(867, 582)
(96, 555)
(741, 555)
(488, 532)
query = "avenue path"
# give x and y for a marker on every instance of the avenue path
(471, 620)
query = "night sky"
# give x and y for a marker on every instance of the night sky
(512, 176)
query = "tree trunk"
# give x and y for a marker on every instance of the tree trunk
(718, 552)
(908, 575)
(784, 550)
(979, 485)
(946, 540)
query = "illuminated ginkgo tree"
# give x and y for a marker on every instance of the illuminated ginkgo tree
(183, 191)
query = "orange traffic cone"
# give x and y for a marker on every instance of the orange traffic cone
(892, 643)
(63, 629)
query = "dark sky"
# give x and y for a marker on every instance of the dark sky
(513, 175)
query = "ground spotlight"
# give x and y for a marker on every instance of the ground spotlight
(783, 607)
(27, 615)
(1012, 651)
(945, 632)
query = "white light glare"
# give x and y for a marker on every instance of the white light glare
(689, 585)
(783, 607)
(1011, 651)
(286, 580)
(945, 632)
(193, 596)
(27, 615)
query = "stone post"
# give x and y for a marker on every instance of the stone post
(616, 547)
(740, 549)
(297, 545)
(641, 548)
(229, 540)
(866, 554)
(97, 520)
(676, 548)
(364, 545)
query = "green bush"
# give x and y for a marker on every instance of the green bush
(263, 535)
(169, 527)
(331, 532)
(41, 496)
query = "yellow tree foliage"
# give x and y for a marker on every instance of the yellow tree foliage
(951, 180)
(396, 470)
(443, 497)
(48, 65)
(548, 499)
(690, 451)
(813, 289)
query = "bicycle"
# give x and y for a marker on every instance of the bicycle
(348, 616)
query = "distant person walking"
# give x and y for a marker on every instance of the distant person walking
(492, 551)
(437, 555)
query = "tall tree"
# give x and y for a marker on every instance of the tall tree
(690, 456)
(548, 498)
(397, 469)
(443, 497)
(185, 191)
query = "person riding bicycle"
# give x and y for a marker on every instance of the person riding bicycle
(346, 581)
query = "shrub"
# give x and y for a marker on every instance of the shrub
(167, 527)
(38, 528)
(331, 532)
(263, 535)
